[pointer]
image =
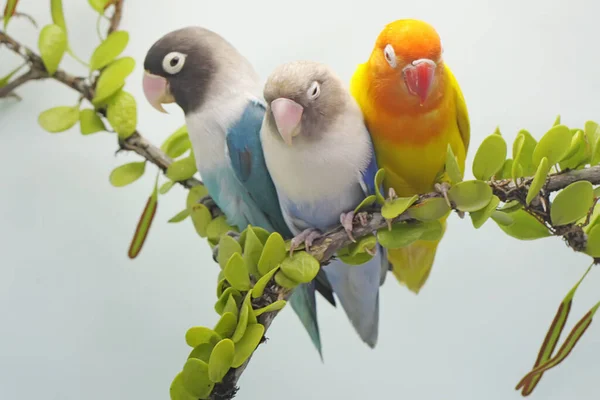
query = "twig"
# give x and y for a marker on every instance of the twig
(115, 20)
(30, 75)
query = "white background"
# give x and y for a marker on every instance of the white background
(79, 320)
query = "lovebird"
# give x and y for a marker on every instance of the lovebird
(320, 156)
(221, 97)
(413, 108)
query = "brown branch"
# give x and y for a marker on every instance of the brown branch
(8, 89)
(115, 20)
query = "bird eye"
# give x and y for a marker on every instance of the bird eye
(314, 90)
(173, 62)
(390, 55)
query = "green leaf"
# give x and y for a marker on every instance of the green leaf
(551, 339)
(221, 359)
(178, 143)
(273, 253)
(56, 10)
(554, 145)
(576, 333)
(490, 157)
(217, 227)
(502, 218)
(195, 194)
(253, 248)
(144, 223)
(183, 169)
(379, 176)
(247, 344)
(539, 180)
(122, 114)
(261, 284)
(197, 335)
(4, 80)
(236, 272)
(362, 245)
(9, 10)
(432, 231)
(592, 133)
(98, 5)
(523, 148)
(202, 351)
(506, 170)
(240, 329)
(227, 302)
(470, 195)
(109, 49)
(369, 200)
(524, 226)
(593, 241)
(284, 281)
(400, 235)
(180, 216)
(357, 259)
(226, 325)
(200, 218)
(300, 267)
(478, 218)
(556, 121)
(195, 378)
(177, 390)
(90, 122)
(512, 205)
(228, 246)
(222, 284)
(452, 168)
(112, 79)
(127, 173)
(572, 203)
(275, 306)
(429, 209)
(579, 153)
(392, 208)
(52, 43)
(165, 187)
(58, 119)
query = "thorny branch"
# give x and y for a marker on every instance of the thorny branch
(325, 247)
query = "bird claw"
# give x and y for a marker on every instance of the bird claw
(308, 236)
(443, 188)
(347, 221)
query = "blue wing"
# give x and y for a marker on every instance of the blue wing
(248, 162)
(368, 175)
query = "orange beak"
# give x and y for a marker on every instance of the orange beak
(418, 78)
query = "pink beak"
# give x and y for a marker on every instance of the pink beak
(287, 114)
(418, 77)
(156, 90)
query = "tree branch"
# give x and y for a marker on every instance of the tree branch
(8, 89)
(325, 247)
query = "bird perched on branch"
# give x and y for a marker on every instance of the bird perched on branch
(219, 92)
(414, 109)
(321, 159)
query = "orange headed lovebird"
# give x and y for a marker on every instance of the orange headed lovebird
(413, 108)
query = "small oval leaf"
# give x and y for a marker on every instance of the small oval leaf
(183, 169)
(90, 122)
(379, 177)
(165, 187)
(202, 352)
(226, 325)
(429, 209)
(275, 306)
(195, 194)
(393, 208)
(253, 248)
(284, 281)
(490, 157)
(180, 216)
(200, 218)
(127, 173)
(52, 43)
(58, 119)
(502, 218)
(217, 227)
(197, 335)
(470, 196)
(220, 360)
(452, 168)
(247, 344)
(109, 49)
(572, 203)
(273, 253)
(593, 242)
(554, 145)
(178, 143)
(240, 329)
(195, 378)
(478, 218)
(539, 180)
(259, 287)
(98, 5)
(236, 272)
(228, 246)
(523, 148)
(400, 235)
(369, 200)
(112, 79)
(177, 390)
(300, 267)
(524, 226)
(122, 114)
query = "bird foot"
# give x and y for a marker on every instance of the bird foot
(347, 221)
(443, 188)
(307, 236)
